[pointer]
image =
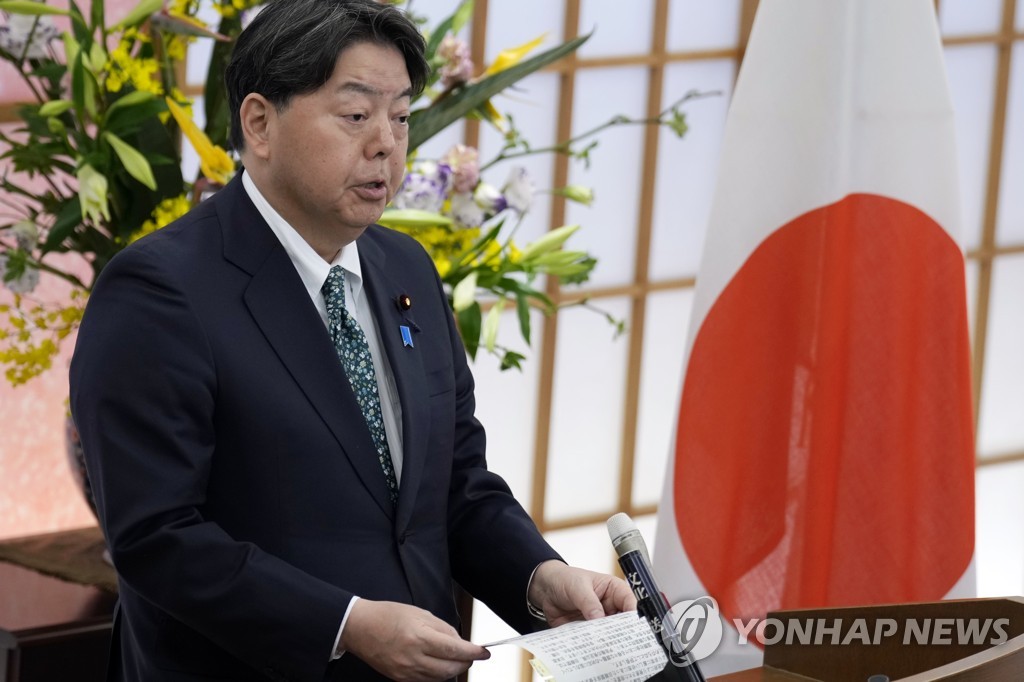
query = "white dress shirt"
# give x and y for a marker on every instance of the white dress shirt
(313, 271)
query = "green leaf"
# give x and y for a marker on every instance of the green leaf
(78, 24)
(68, 218)
(489, 331)
(548, 242)
(17, 261)
(412, 218)
(98, 18)
(462, 16)
(134, 162)
(218, 110)
(577, 274)
(425, 123)
(477, 248)
(678, 123)
(77, 77)
(125, 120)
(141, 12)
(55, 107)
(132, 99)
(31, 8)
(523, 311)
(512, 360)
(469, 321)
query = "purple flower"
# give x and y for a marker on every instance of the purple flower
(489, 199)
(466, 212)
(425, 188)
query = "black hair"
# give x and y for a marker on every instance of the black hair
(291, 48)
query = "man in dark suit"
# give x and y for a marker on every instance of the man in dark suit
(276, 409)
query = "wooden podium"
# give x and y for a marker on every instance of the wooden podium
(900, 657)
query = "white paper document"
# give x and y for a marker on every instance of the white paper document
(619, 648)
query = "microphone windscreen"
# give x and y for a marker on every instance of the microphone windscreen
(625, 536)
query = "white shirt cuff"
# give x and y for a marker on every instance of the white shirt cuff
(338, 651)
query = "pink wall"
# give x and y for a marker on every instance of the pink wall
(37, 492)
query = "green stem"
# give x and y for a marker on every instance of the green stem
(24, 76)
(66, 276)
(566, 146)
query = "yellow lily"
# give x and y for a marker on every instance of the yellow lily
(214, 162)
(491, 113)
(506, 59)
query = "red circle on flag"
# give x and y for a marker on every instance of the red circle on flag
(824, 453)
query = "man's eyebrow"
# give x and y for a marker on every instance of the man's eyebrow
(369, 90)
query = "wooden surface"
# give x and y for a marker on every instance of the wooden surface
(72, 555)
(893, 656)
(762, 674)
(51, 629)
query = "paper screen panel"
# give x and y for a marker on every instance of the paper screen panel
(587, 546)
(610, 224)
(999, 544)
(586, 414)
(661, 379)
(619, 29)
(970, 17)
(971, 70)
(510, 24)
(703, 24)
(506, 404)
(686, 172)
(1000, 425)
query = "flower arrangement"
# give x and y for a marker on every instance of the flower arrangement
(96, 163)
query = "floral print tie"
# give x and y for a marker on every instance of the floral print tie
(354, 353)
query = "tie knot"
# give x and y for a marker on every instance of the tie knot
(334, 289)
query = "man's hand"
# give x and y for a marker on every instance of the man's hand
(566, 594)
(406, 643)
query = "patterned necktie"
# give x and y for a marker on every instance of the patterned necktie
(354, 353)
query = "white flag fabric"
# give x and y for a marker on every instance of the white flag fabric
(824, 449)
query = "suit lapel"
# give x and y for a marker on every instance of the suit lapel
(279, 303)
(383, 292)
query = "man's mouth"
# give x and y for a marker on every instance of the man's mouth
(374, 190)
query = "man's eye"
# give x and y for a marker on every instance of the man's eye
(355, 118)
(403, 119)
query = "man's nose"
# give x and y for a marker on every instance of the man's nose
(382, 140)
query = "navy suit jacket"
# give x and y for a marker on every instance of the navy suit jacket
(235, 478)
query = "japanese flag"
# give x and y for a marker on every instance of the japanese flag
(824, 449)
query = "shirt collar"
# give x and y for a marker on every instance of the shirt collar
(311, 267)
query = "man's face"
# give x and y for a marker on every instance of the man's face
(336, 156)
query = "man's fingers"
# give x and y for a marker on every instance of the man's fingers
(451, 647)
(406, 643)
(584, 599)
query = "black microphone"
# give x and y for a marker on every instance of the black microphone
(651, 603)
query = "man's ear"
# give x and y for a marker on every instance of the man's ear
(255, 114)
